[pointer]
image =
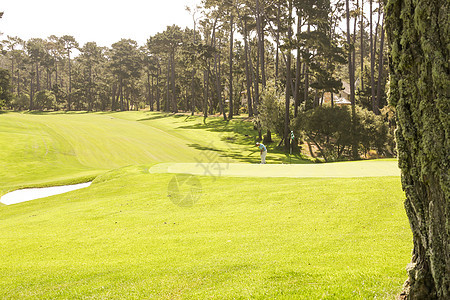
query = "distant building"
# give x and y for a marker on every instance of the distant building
(341, 98)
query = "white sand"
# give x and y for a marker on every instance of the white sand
(36, 193)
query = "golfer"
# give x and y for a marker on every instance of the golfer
(263, 151)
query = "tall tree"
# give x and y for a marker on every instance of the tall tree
(126, 66)
(375, 108)
(5, 83)
(193, 11)
(352, 81)
(169, 41)
(260, 37)
(298, 64)
(91, 55)
(231, 108)
(380, 63)
(419, 40)
(288, 79)
(11, 43)
(244, 16)
(361, 29)
(69, 44)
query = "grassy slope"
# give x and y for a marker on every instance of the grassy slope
(246, 237)
(44, 149)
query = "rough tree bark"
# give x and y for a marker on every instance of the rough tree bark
(419, 39)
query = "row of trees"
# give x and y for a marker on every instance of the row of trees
(221, 66)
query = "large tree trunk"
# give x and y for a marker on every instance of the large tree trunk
(419, 79)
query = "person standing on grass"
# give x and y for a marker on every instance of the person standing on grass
(263, 151)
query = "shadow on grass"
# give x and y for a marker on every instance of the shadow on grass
(252, 157)
(162, 116)
(58, 112)
(241, 133)
(200, 147)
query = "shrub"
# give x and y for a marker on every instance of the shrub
(45, 100)
(20, 102)
(329, 129)
(5, 85)
(271, 110)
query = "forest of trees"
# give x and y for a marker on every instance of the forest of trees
(221, 65)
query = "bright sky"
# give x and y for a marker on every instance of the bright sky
(101, 21)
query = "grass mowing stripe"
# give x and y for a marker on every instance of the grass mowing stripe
(275, 238)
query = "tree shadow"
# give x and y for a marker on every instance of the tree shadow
(57, 112)
(153, 118)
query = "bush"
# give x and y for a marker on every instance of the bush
(271, 110)
(20, 102)
(5, 86)
(45, 100)
(329, 129)
(372, 131)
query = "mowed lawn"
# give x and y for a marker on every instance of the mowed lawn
(244, 237)
(41, 149)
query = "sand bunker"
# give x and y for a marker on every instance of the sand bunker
(36, 193)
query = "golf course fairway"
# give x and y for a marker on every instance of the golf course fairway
(181, 209)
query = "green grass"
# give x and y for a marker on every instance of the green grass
(245, 237)
(44, 149)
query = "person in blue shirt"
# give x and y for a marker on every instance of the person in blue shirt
(263, 151)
